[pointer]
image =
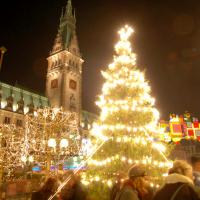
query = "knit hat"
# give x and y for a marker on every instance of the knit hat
(136, 171)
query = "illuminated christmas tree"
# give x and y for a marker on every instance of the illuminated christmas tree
(127, 125)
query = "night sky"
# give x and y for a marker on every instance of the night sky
(166, 40)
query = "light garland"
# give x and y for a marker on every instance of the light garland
(128, 120)
(146, 161)
(49, 137)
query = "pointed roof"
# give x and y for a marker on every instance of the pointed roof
(68, 10)
(67, 28)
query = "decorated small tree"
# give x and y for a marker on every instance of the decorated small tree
(127, 124)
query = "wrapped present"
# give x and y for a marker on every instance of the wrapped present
(190, 132)
(196, 124)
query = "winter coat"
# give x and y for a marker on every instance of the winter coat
(115, 189)
(177, 184)
(196, 178)
(76, 192)
(40, 195)
(127, 193)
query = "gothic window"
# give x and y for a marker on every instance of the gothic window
(31, 108)
(40, 103)
(7, 120)
(70, 62)
(52, 65)
(74, 50)
(72, 84)
(54, 83)
(19, 123)
(3, 142)
(9, 105)
(76, 66)
(72, 102)
(20, 106)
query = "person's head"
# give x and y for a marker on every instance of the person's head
(181, 167)
(195, 161)
(137, 174)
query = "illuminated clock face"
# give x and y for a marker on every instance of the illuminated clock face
(72, 84)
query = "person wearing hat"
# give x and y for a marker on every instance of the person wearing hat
(120, 177)
(195, 161)
(135, 187)
(178, 184)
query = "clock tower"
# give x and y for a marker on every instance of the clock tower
(64, 73)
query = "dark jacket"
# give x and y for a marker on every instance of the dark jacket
(196, 178)
(40, 195)
(115, 189)
(127, 193)
(77, 192)
(176, 182)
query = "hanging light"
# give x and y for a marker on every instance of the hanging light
(31, 159)
(23, 159)
(52, 142)
(64, 143)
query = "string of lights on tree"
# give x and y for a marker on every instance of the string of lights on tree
(49, 138)
(128, 123)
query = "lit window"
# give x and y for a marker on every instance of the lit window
(19, 122)
(7, 120)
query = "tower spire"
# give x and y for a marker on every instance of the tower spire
(68, 10)
(64, 74)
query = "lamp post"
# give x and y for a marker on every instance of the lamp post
(3, 50)
(59, 151)
(55, 134)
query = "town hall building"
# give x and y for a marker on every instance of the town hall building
(63, 80)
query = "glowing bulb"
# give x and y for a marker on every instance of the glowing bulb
(125, 32)
(52, 142)
(23, 159)
(31, 159)
(64, 143)
(109, 182)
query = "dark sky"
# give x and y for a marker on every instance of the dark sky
(167, 42)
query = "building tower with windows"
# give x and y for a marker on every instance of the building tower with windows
(64, 73)
(63, 83)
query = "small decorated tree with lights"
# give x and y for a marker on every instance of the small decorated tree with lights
(127, 126)
(48, 140)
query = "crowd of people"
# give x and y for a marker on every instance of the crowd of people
(181, 183)
(73, 190)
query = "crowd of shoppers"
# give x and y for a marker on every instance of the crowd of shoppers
(181, 183)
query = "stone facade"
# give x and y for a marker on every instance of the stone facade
(64, 74)
(63, 82)
(16, 102)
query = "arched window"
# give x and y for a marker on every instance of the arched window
(76, 66)
(52, 65)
